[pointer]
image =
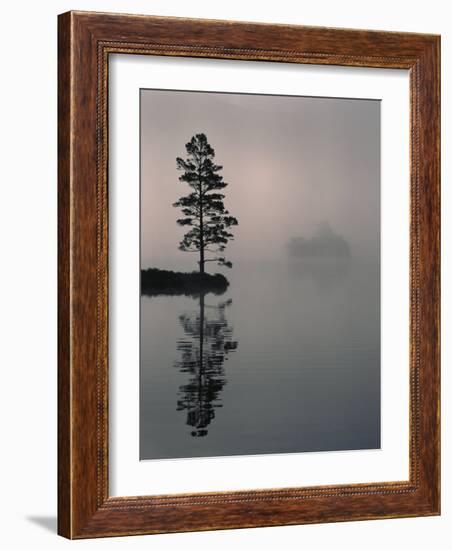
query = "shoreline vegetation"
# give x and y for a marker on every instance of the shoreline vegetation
(157, 282)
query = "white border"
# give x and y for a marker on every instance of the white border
(128, 475)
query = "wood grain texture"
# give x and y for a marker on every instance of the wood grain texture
(64, 294)
(85, 42)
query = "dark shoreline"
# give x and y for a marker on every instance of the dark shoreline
(156, 282)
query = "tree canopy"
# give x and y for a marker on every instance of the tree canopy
(203, 208)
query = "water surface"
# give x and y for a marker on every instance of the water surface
(287, 360)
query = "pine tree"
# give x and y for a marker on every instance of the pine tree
(203, 207)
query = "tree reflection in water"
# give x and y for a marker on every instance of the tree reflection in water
(209, 340)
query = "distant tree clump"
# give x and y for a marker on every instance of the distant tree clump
(324, 243)
(203, 208)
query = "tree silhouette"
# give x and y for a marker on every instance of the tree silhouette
(203, 207)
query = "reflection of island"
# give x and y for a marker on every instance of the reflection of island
(203, 352)
(323, 244)
(325, 273)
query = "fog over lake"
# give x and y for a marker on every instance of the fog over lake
(288, 358)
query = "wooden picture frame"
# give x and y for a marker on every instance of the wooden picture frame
(85, 42)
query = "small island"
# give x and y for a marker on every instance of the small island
(155, 282)
(324, 243)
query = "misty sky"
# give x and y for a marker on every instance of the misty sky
(291, 163)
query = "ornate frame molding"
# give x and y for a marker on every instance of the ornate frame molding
(85, 42)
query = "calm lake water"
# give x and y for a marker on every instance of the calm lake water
(287, 360)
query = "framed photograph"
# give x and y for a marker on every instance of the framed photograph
(249, 262)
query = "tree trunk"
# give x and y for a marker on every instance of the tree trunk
(201, 243)
(201, 248)
(201, 231)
